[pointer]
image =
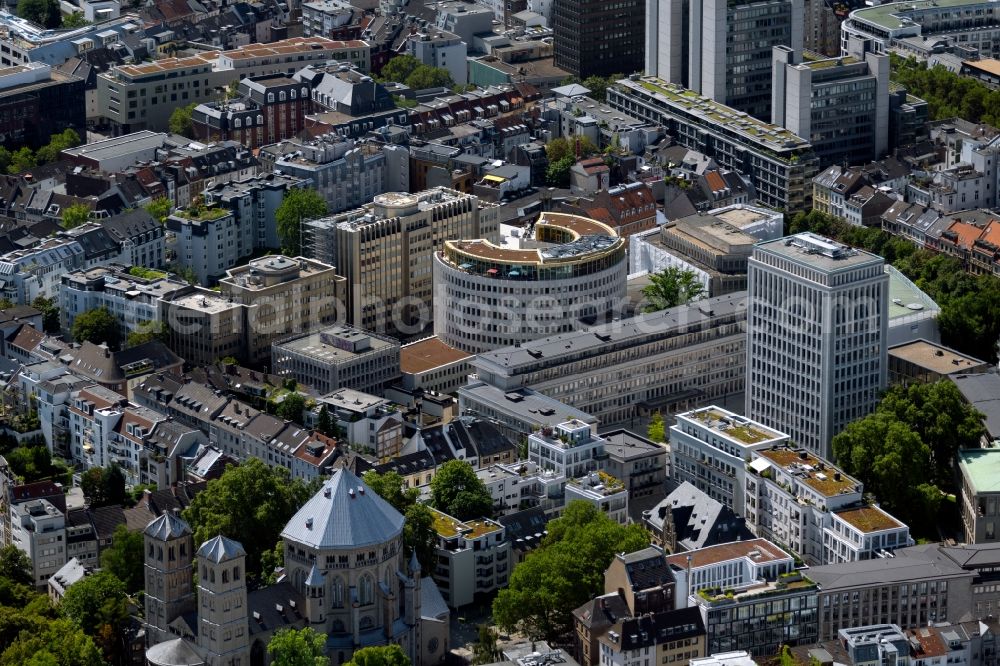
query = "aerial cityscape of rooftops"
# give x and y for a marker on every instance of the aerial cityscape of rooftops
(506, 332)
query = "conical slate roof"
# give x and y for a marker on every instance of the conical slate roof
(220, 549)
(167, 526)
(345, 513)
(315, 578)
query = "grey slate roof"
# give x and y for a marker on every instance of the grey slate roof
(345, 513)
(432, 604)
(699, 520)
(167, 526)
(177, 652)
(220, 549)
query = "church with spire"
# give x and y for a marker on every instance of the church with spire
(345, 575)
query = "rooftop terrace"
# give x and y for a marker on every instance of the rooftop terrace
(818, 474)
(449, 527)
(733, 426)
(869, 519)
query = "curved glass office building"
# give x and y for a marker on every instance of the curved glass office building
(487, 296)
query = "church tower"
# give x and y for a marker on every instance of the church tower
(169, 549)
(223, 628)
(315, 598)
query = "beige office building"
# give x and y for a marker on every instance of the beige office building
(385, 250)
(284, 296)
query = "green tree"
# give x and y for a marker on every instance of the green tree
(399, 68)
(180, 121)
(671, 287)
(22, 161)
(104, 486)
(124, 559)
(57, 643)
(557, 173)
(291, 408)
(98, 604)
(222, 508)
(5, 159)
(598, 86)
(233, 89)
(419, 536)
(299, 204)
(75, 215)
(68, 138)
(560, 148)
(565, 572)
(160, 208)
(45, 13)
(383, 655)
(485, 651)
(425, 76)
(323, 422)
(15, 566)
(298, 647)
(74, 20)
(50, 313)
(148, 332)
(391, 487)
(97, 326)
(657, 429)
(457, 491)
(941, 418)
(270, 560)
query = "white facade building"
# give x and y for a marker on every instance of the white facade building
(817, 327)
(710, 447)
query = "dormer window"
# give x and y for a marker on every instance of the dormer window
(291, 93)
(270, 97)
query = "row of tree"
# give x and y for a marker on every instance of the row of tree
(948, 95)
(25, 159)
(415, 75)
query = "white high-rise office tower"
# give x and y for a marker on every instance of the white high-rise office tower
(721, 48)
(816, 331)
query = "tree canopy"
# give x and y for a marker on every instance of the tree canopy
(299, 204)
(948, 95)
(418, 529)
(180, 121)
(904, 452)
(412, 73)
(671, 287)
(457, 491)
(124, 559)
(222, 508)
(104, 486)
(657, 429)
(98, 605)
(297, 647)
(290, 409)
(74, 215)
(566, 571)
(49, 308)
(97, 326)
(45, 13)
(383, 655)
(598, 85)
(160, 208)
(560, 148)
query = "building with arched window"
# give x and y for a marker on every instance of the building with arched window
(345, 576)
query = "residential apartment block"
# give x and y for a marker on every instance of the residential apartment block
(254, 203)
(817, 326)
(729, 566)
(385, 250)
(815, 509)
(778, 162)
(472, 557)
(675, 359)
(710, 447)
(367, 421)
